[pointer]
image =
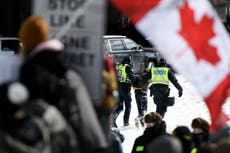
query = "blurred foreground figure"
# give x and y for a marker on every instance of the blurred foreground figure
(106, 108)
(32, 126)
(165, 144)
(47, 76)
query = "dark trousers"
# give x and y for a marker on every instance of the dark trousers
(160, 99)
(141, 101)
(125, 97)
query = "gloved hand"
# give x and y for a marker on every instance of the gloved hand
(180, 92)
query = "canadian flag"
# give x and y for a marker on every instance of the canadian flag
(190, 35)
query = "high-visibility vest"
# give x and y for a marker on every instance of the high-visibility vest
(159, 75)
(121, 73)
(194, 150)
(140, 148)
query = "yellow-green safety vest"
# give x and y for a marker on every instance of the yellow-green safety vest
(194, 150)
(140, 148)
(159, 75)
(121, 73)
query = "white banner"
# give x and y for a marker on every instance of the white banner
(79, 24)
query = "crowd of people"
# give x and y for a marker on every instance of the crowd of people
(45, 106)
(182, 139)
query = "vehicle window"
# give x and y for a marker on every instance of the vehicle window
(10, 45)
(130, 44)
(117, 45)
(106, 46)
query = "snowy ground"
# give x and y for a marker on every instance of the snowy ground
(186, 108)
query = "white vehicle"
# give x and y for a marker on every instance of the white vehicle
(9, 45)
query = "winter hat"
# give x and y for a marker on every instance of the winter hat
(182, 132)
(152, 118)
(164, 144)
(33, 31)
(200, 123)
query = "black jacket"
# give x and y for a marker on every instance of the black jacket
(149, 135)
(47, 76)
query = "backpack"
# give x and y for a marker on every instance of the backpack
(20, 141)
(42, 130)
(62, 136)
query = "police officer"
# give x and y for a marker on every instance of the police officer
(126, 78)
(159, 77)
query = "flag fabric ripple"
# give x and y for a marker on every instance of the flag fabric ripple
(191, 36)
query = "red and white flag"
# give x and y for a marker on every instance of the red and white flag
(190, 35)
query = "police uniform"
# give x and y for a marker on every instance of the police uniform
(125, 78)
(160, 77)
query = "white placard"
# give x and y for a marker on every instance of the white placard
(79, 24)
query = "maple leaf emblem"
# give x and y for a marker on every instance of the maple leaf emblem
(198, 34)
